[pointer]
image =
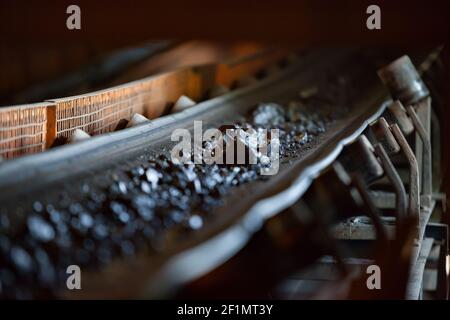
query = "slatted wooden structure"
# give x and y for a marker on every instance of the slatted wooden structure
(23, 129)
(32, 128)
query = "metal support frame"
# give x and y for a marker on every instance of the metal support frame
(414, 199)
(439, 232)
(396, 181)
(419, 202)
(371, 210)
(427, 162)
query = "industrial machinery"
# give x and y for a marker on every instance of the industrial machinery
(353, 189)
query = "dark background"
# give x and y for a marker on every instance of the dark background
(305, 23)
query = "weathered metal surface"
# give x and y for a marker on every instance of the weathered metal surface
(427, 174)
(403, 81)
(394, 178)
(415, 282)
(367, 164)
(383, 135)
(398, 112)
(414, 196)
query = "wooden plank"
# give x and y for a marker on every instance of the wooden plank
(23, 129)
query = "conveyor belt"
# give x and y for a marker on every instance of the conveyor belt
(181, 256)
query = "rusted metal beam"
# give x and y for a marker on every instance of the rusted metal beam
(414, 199)
(427, 161)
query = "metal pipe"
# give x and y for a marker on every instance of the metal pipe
(403, 81)
(383, 135)
(414, 199)
(372, 211)
(427, 165)
(394, 178)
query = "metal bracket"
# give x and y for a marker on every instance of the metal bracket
(395, 180)
(414, 199)
(427, 164)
